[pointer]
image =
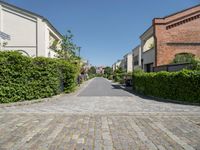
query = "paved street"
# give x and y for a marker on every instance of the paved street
(102, 87)
(101, 115)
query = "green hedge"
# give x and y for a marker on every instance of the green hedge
(182, 86)
(26, 78)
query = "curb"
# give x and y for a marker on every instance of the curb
(165, 100)
(22, 103)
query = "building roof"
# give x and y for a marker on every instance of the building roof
(146, 31)
(32, 13)
(170, 16)
(137, 47)
(129, 53)
(176, 13)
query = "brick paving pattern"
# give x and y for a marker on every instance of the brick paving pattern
(88, 122)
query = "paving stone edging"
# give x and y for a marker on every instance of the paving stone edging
(21, 103)
(56, 97)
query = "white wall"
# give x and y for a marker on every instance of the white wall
(148, 54)
(137, 52)
(118, 64)
(28, 32)
(41, 34)
(149, 44)
(22, 30)
(149, 57)
(129, 63)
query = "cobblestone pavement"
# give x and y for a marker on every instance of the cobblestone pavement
(83, 121)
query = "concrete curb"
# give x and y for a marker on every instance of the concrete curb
(56, 97)
(21, 103)
(165, 100)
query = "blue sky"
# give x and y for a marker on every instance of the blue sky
(105, 29)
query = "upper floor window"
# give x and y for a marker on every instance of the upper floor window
(136, 60)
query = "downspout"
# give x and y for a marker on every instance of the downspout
(155, 42)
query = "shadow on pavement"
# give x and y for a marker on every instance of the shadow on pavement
(130, 90)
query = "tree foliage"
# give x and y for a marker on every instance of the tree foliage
(68, 50)
(92, 70)
(118, 75)
(108, 71)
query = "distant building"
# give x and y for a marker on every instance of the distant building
(114, 67)
(85, 65)
(100, 70)
(117, 65)
(136, 54)
(27, 32)
(128, 62)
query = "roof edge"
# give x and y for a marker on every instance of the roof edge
(173, 14)
(34, 14)
(146, 31)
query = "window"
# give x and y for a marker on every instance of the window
(136, 61)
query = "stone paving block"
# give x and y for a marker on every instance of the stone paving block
(87, 122)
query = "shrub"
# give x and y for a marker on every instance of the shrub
(183, 85)
(196, 64)
(183, 58)
(26, 78)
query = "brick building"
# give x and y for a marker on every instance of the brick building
(171, 35)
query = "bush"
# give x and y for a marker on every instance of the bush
(117, 77)
(183, 58)
(183, 85)
(26, 78)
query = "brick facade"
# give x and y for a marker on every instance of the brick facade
(178, 33)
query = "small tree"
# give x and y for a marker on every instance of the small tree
(92, 70)
(118, 74)
(69, 49)
(108, 71)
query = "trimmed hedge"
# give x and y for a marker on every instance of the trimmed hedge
(26, 78)
(182, 86)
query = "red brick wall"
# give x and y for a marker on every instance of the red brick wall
(173, 37)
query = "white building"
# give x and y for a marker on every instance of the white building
(128, 62)
(27, 32)
(114, 67)
(148, 50)
(137, 53)
(119, 64)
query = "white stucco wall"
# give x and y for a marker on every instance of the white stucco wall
(118, 64)
(149, 57)
(28, 32)
(114, 67)
(22, 30)
(149, 44)
(137, 52)
(129, 63)
(148, 53)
